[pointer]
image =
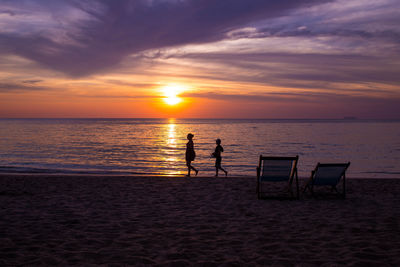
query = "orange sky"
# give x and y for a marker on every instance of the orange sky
(301, 60)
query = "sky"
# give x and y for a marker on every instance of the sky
(200, 59)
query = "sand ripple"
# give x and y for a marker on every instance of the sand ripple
(73, 220)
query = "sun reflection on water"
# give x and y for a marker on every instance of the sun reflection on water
(170, 155)
(171, 134)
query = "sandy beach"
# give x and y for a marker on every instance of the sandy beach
(175, 221)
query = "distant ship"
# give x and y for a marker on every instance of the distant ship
(349, 118)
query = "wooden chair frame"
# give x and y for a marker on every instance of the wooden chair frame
(311, 181)
(292, 175)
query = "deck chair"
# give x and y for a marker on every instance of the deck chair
(328, 174)
(277, 169)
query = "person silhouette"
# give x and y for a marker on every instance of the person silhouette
(218, 158)
(190, 154)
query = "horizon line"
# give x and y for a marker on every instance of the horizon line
(197, 118)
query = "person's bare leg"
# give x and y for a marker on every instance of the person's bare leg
(189, 167)
(197, 171)
(226, 173)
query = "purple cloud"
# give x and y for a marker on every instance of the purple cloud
(301, 70)
(18, 87)
(105, 32)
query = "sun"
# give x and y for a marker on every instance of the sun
(172, 100)
(171, 93)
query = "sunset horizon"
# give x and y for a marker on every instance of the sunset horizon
(200, 59)
(345, 118)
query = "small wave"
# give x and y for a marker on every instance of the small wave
(382, 172)
(21, 170)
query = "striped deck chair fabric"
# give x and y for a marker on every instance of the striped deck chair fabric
(277, 169)
(328, 174)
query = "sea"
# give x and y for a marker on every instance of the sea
(157, 146)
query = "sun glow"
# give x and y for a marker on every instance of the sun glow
(171, 93)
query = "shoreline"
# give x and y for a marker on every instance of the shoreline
(10, 174)
(167, 221)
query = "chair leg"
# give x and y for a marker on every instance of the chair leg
(258, 185)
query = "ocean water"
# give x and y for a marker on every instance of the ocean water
(157, 146)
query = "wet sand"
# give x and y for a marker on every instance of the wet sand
(176, 221)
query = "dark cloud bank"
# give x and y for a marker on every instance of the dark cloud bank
(117, 29)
